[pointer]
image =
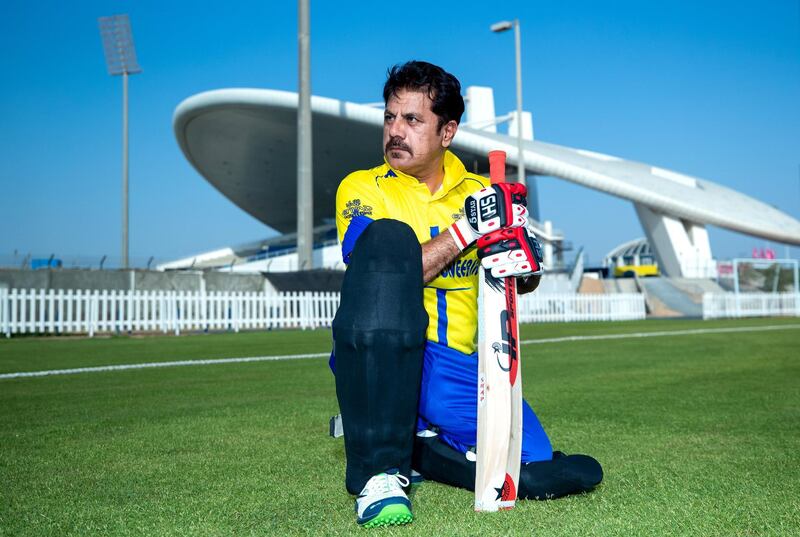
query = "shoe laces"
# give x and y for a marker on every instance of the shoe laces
(389, 482)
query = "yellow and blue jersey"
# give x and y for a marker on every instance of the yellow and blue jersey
(448, 394)
(384, 192)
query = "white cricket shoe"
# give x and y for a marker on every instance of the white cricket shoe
(382, 502)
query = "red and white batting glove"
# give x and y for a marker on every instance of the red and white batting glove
(510, 252)
(489, 209)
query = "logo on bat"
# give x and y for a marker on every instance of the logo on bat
(507, 491)
(508, 346)
(499, 350)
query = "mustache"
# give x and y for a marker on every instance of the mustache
(397, 143)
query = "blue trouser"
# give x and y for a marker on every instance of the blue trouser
(383, 362)
(449, 401)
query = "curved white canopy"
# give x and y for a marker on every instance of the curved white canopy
(244, 142)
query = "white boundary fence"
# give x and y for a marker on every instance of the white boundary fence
(717, 305)
(64, 312)
(29, 311)
(581, 307)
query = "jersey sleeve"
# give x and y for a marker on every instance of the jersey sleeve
(358, 203)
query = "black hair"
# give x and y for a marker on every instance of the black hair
(442, 88)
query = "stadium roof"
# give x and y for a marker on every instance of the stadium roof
(635, 247)
(244, 142)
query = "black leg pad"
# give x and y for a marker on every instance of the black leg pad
(565, 474)
(379, 339)
(437, 461)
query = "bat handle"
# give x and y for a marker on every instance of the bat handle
(497, 166)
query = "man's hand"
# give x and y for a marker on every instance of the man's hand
(490, 209)
(528, 284)
(512, 251)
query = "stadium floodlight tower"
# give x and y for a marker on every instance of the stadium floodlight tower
(499, 27)
(121, 60)
(305, 180)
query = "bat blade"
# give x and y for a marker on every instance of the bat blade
(495, 488)
(499, 443)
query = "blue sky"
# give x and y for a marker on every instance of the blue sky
(708, 88)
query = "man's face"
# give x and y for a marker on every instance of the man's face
(412, 141)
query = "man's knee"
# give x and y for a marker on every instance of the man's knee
(382, 288)
(389, 240)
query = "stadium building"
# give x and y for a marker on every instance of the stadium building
(243, 142)
(633, 257)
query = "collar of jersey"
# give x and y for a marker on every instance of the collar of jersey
(454, 172)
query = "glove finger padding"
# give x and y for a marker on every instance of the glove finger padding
(510, 252)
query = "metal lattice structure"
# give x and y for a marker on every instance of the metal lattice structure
(118, 45)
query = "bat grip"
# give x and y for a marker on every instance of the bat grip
(497, 166)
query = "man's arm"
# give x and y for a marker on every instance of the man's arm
(488, 209)
(437, 253)
(441, 250)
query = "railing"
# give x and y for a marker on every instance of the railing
(716, 305)
(64, 312)
(24, 311)
(580, 307)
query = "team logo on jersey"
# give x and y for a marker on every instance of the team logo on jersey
(355, 208)
(461, 268)
(387, 175)
(459, 215)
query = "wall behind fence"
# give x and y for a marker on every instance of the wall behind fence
(40, 311)
(131, 280)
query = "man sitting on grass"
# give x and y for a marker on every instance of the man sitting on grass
(404, 334)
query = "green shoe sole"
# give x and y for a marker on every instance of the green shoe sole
(391, 515)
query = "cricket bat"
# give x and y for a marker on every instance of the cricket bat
(499, 448)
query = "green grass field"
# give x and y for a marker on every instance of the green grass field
(698, 435)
